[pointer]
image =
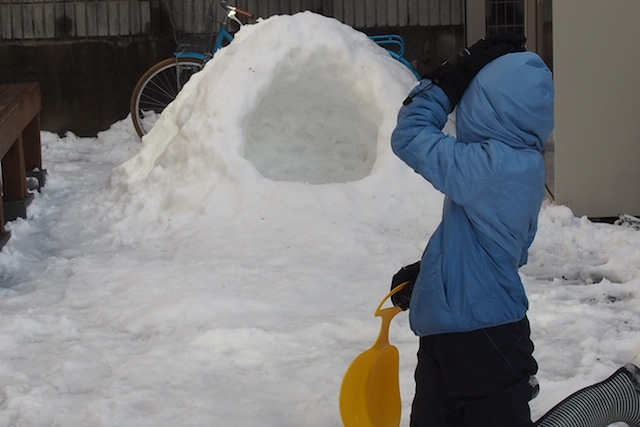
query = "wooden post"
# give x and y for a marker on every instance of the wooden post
(20, 151)
(4, 234)
(14, 175)
(31, 143)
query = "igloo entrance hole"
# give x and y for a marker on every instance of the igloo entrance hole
(310, 126)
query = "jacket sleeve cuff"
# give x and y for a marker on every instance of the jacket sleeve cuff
(427, 88)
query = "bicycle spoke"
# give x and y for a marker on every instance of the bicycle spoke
(160, 89)
(164, 87)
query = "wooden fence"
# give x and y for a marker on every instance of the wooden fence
(49, 19)
(58, 19)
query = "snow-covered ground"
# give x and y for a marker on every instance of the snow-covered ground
(225, 272)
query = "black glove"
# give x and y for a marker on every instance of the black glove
(454, 75)
(409, 274)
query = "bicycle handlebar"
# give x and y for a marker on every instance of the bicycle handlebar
(245, 13)
(239, 11)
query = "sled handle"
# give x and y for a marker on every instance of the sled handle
(379, 311)
(387, 314)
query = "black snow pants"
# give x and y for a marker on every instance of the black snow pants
(475, 379)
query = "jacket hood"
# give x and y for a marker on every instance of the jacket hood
(509, 100)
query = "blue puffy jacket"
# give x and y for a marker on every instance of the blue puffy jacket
(493, 177)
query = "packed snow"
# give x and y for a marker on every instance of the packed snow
(225, 271)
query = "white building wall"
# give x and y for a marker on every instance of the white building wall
(596, 46)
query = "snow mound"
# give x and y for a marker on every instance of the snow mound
(318, 111)
(294, 115)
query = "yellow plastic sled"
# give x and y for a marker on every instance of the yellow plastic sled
(370, 392)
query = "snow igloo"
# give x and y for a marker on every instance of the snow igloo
(301, 98)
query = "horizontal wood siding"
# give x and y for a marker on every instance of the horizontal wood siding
(398, 13)
(48, 19)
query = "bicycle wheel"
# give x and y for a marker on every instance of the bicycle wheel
(157, 88)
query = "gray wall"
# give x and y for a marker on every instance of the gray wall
(597, 137)
(88, 55)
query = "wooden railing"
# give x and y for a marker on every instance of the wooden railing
(20, 151)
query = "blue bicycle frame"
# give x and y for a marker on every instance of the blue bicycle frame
(223, 38)
(394, 44)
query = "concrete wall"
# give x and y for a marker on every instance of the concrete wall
(597, 137)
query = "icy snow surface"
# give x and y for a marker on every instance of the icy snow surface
(225, 272)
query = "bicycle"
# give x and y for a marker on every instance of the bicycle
(160, 84)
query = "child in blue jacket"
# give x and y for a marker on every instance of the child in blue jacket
(467, 302)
